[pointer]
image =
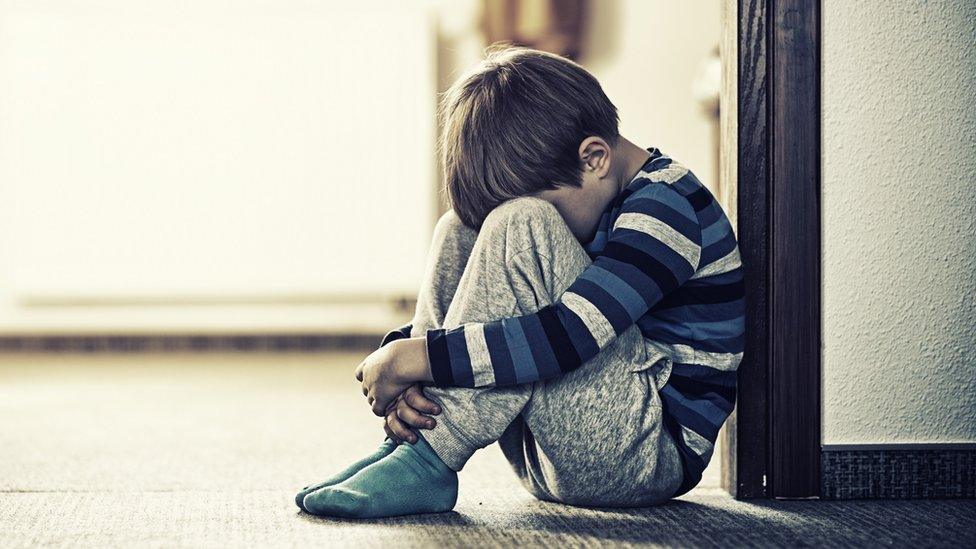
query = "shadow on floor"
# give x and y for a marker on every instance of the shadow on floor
(713, 521)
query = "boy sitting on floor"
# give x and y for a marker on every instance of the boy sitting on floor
(582, 306)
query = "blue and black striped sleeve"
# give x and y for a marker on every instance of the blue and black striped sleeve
(654, 247)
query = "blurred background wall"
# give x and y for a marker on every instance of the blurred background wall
(899, 222)
(269, 167)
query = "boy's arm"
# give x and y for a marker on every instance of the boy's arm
(654, 247)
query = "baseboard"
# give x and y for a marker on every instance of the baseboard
(898, 471)
(174, 343)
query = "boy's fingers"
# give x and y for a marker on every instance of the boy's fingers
(416, 399)
(399, 429)
(389, 433)
(413, 417)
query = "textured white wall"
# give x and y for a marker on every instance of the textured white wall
(899, 221)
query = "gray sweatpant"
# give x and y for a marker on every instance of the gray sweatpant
(591, 437)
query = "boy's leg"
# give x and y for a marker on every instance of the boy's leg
(449, 250)
(611, 451)
(593, 436)
(414, 478)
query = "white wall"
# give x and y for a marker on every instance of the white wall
(899, 221)
(211, 164)
(648, 54)
(171, 166)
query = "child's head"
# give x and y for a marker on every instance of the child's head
(516, 126)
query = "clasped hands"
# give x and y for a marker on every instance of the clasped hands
(392, 378)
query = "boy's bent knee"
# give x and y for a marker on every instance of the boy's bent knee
(520, 210)
(450, 223)
(523, 221)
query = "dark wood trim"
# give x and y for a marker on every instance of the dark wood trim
(794, 258)
(747, 432)
(775, 434)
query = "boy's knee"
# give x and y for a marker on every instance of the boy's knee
(450, 226)
(529, 225)
(521, 218)
(449, 222)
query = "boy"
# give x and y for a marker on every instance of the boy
(582, 306)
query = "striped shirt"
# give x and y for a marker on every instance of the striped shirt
(665, 258)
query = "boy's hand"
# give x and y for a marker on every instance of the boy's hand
(405, 412)
(389, 370)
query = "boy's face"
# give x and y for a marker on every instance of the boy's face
(581, 207)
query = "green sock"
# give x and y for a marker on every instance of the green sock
(384, 450)
(410, 480)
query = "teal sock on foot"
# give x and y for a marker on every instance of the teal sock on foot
(384, 450)
(411, 480)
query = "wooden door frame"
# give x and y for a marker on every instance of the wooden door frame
(772, 166)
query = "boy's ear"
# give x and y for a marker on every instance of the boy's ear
(594, 155)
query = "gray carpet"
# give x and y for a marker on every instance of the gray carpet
(198, 451)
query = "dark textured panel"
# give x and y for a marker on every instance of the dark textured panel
(188, 343)
(794, 254)
(899, 474)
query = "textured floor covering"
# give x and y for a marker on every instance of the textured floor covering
(208, 451)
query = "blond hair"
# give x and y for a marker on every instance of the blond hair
(513, 125)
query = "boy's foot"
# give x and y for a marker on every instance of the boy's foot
(410, 480)
(384, 450)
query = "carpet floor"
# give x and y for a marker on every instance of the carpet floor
(208, 450)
